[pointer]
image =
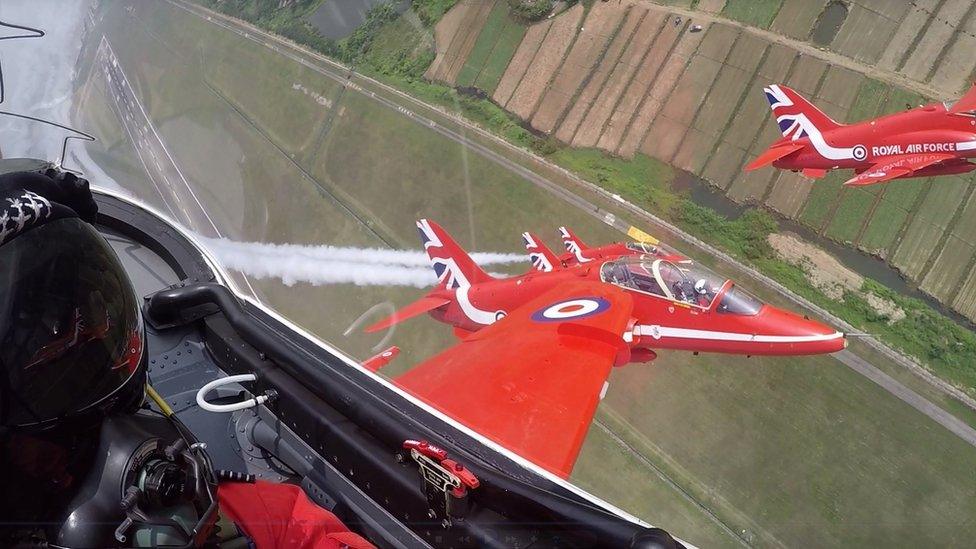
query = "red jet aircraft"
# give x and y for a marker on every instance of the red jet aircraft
(577, 252)
(934, 139)
(536, 349)
(545, 260)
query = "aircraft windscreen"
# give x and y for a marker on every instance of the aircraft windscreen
(736, 301)
(686, 283)
(302, 162)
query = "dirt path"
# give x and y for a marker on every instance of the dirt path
(806, 48)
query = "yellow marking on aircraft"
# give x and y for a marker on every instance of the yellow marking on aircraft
(641, 236)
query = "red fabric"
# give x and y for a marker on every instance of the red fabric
(281, 515)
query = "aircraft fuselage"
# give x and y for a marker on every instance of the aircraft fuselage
(929, 129)
(661, 320)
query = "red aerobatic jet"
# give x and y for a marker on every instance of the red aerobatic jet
(577, 252)
(536, 349)
(934, 139)
(545, 260)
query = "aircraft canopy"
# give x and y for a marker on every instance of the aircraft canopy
(684, 283)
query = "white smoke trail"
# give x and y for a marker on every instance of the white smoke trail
(332, 264)
(352, 254)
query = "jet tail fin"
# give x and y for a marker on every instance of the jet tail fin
(541, 256)
(453, 266)
(794, 113)
(573, 244)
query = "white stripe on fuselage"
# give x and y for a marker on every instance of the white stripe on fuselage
(473, 313)
(817, 139)
(658, 332)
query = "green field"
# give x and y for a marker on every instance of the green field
(796, 451)
(854, 208)
(609, 467)
(952, 263)
(824, 460)
(821, 200)
(870, 100)
(758, 13)
(929, 223)
(883, 228)
(893, 211)
(496, 44)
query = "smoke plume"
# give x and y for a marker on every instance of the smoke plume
(324, 264)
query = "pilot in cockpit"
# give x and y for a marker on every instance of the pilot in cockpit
(683, 290)
(703, 294)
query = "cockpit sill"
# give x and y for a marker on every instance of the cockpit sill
(381, 415)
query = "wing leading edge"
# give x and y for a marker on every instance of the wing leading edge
(532, 381)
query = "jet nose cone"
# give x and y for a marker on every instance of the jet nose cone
(800, 334)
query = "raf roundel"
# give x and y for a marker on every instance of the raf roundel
(571, 309)
(859, 152)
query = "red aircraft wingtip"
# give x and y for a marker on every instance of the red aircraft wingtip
(381, 359)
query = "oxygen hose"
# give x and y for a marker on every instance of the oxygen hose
(163, 407)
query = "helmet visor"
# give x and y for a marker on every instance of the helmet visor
(70, 327)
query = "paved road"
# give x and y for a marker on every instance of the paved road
(165, 175)
(163, 172)
(405, 105)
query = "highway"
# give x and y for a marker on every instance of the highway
(408, 106)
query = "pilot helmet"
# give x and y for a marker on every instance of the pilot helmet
(701, 286)
(70, 328)
(96, 470)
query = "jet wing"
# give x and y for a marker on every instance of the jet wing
(895, 167)
(532, 381)
(966, 104)
(773, 154)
